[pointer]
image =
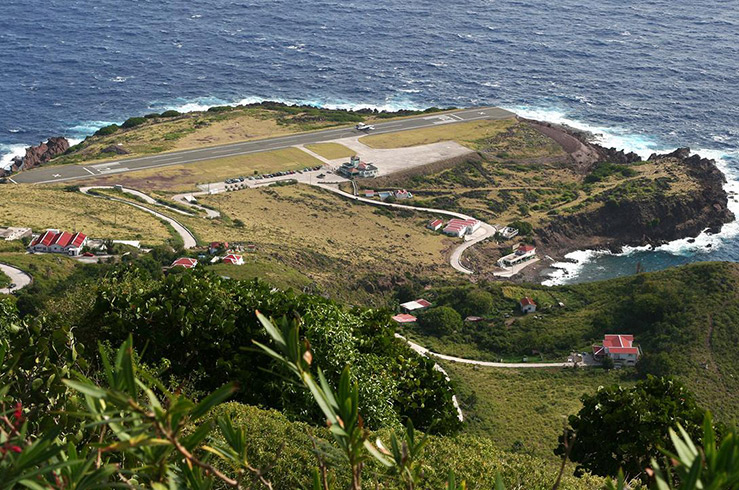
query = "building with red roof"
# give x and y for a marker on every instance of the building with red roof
(460, 227)
(186, 262)
(528, 305)
(233, 259)
(618, 347)
(404, 318)
(522, 253)
(435, 224)
(55, 241)
(418, 304)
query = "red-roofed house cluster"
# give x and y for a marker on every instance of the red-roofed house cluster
(233, 259)
(457, 227)
(618, 347)
(408, 307)
(55, 241)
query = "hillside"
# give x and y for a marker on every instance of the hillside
(685, 320)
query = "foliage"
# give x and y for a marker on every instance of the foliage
(524, 228)
(107, 130)
(604, 170)
(442, 319)
(132, 122)
(203, 326)
(621, 428)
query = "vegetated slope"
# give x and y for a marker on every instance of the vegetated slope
(686, 320)
(474, 459)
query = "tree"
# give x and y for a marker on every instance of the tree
(478, 302)
(621, 428)
(656, 364)
(443, 320)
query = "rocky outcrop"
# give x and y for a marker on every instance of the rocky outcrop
(647, 221)
(115, 149)
(38, 155)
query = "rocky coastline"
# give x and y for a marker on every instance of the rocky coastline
(38, 155)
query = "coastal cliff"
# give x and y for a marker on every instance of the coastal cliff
(648, 215)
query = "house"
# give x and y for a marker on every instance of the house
(521, 254)
(404, 318)
(528, 305)
(508, 232)
(435, 224)
(369, 193)
(185, 262)
(356, 168)
(460, 227)
(55, 241)
(618, 347)
(233, 259)
(10, 234)
(418, 304)
(474, 319)
(216, 247)
(402, 194)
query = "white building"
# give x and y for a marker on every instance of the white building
(521, 254)
(528, 305)
(55, 241)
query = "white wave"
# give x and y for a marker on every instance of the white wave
(14, 131)
(643, 145)
(575, 261)
(610, 137)
(119, 79)
(8, 152)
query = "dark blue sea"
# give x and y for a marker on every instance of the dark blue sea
(648, 75)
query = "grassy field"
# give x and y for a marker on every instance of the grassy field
(349, 249)
(45, 269)
(255, 266)
(331, 151)
(467, 133)
(524, 410)
(42, 207)
(185, 177)
(4, 279)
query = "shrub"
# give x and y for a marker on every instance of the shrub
(170, 113)
(132, 122)
(443, 320)
(107, 130)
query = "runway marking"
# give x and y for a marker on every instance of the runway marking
(56, 175)
(88, 170)
(108, 164)
(458, 118)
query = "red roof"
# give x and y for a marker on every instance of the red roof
(623, 350)
(78, 239)
(435, 222)
(616, 340)
(527, 301)
(404, 318)
(423, 303)
(46, 239)
(598, 350)
(232, 258)
(185, 262)
(63, 239)
(526, 248)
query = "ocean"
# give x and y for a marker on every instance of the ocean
(644, 76)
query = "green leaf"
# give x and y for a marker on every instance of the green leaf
(86, 387)
(219, 396)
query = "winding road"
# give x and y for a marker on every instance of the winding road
(485, 231)
(17, 277)
(188, 238)
(511, 365)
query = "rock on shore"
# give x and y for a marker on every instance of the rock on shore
(38, 155)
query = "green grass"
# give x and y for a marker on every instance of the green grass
(45, 269)
(276, 273)
(331, 151)
(524, 410)
(4, 280)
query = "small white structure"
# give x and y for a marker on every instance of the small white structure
(528, 305)
(233, 259)
(435, 224)
(522, 253)
(418, 304)
(402, 194)
(11, 233)
(508, 232)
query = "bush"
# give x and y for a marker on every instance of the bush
(107, 130)
(524, 228)
(132, 122)
(443, 320)
(170, 113)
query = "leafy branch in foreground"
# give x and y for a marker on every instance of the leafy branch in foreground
(341, 409)
(157, 443)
